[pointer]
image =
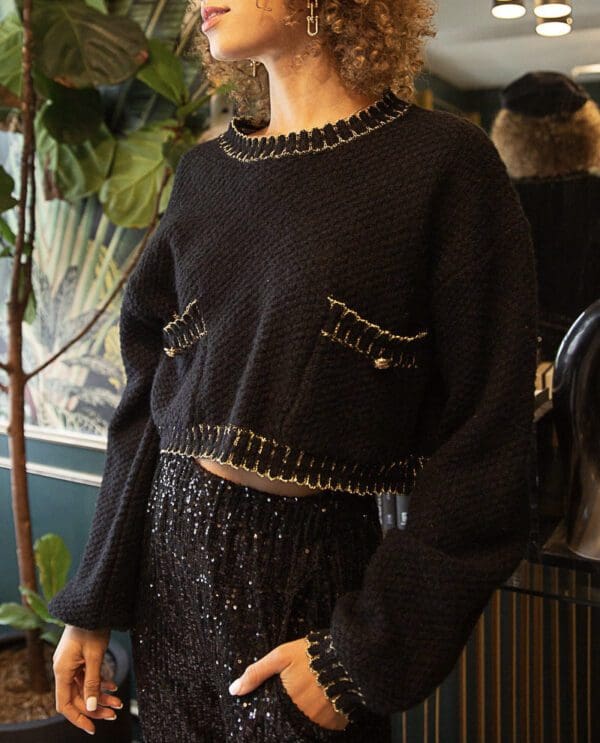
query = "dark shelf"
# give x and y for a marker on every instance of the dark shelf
(554, 571)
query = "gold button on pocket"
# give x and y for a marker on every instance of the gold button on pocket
(357, 366)
(383, 348)
(382, 363)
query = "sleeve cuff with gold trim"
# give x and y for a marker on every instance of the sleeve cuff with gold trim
(331, 675)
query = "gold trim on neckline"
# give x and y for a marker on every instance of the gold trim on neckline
(237, 143)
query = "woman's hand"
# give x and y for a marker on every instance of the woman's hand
(291, 662)
(76, 664)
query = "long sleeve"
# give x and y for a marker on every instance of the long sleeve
(398, 637)
(100, 594)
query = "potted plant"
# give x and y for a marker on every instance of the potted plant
(52, 559)
(72, 102)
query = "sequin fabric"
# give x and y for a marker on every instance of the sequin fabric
(228, 572)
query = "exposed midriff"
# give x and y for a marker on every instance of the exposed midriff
(254, 480)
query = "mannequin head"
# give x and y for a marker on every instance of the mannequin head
(547, 127)
(369, 44)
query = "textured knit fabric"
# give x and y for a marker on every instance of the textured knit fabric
(353, 308)
(228, 573)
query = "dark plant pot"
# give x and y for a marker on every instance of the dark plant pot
(57, 729)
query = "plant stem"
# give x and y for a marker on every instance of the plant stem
(20, 288)
(187, 30)
(151, 25)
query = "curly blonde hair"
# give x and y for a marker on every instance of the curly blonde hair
(374, 44)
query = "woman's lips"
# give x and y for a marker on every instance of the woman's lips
(212, 20)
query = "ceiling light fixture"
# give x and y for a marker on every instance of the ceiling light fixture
(586, 71)
(508, 9)
(554, 26)
(552, 8)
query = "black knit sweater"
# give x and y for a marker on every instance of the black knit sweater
(353, 308)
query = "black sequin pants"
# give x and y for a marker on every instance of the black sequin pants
(228, 573)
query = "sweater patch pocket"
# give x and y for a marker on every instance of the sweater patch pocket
(184, 330)
(381, 348)
(358, 368)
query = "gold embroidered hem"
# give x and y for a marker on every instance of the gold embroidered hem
(240, 447)
(330, 674)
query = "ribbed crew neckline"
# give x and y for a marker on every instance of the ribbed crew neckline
(237, 143)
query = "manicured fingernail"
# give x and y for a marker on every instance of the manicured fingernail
(114, 717)
(91, 703)
(91, 732)
(235, 686)
(115, 707)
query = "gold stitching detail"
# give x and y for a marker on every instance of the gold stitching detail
(334, 701)
(249, 156)
(381, 362)
(385, 349)
(177, 318)
(224, 444)
(185, 329)
(333, 698)
(380, 331)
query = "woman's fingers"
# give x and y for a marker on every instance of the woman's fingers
(80, 651)
(65, 687)
(107, 699)
(91, 685)
(100, 713)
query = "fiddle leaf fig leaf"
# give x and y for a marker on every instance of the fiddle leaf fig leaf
(130, 192)
(53, 561)
(30, 308)
(11, 43)
(98, 5)
(73, 172)
(163, 72)
(80, 47)
(18, 616)
(72, 116)
(52, 635)
(189, 108)
(173, 149)
(36, 602)
(7, 186)
(7, 236)
(118, 7)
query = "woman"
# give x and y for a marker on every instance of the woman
(339, 301)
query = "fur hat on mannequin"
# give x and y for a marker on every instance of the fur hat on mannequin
(548, 126)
